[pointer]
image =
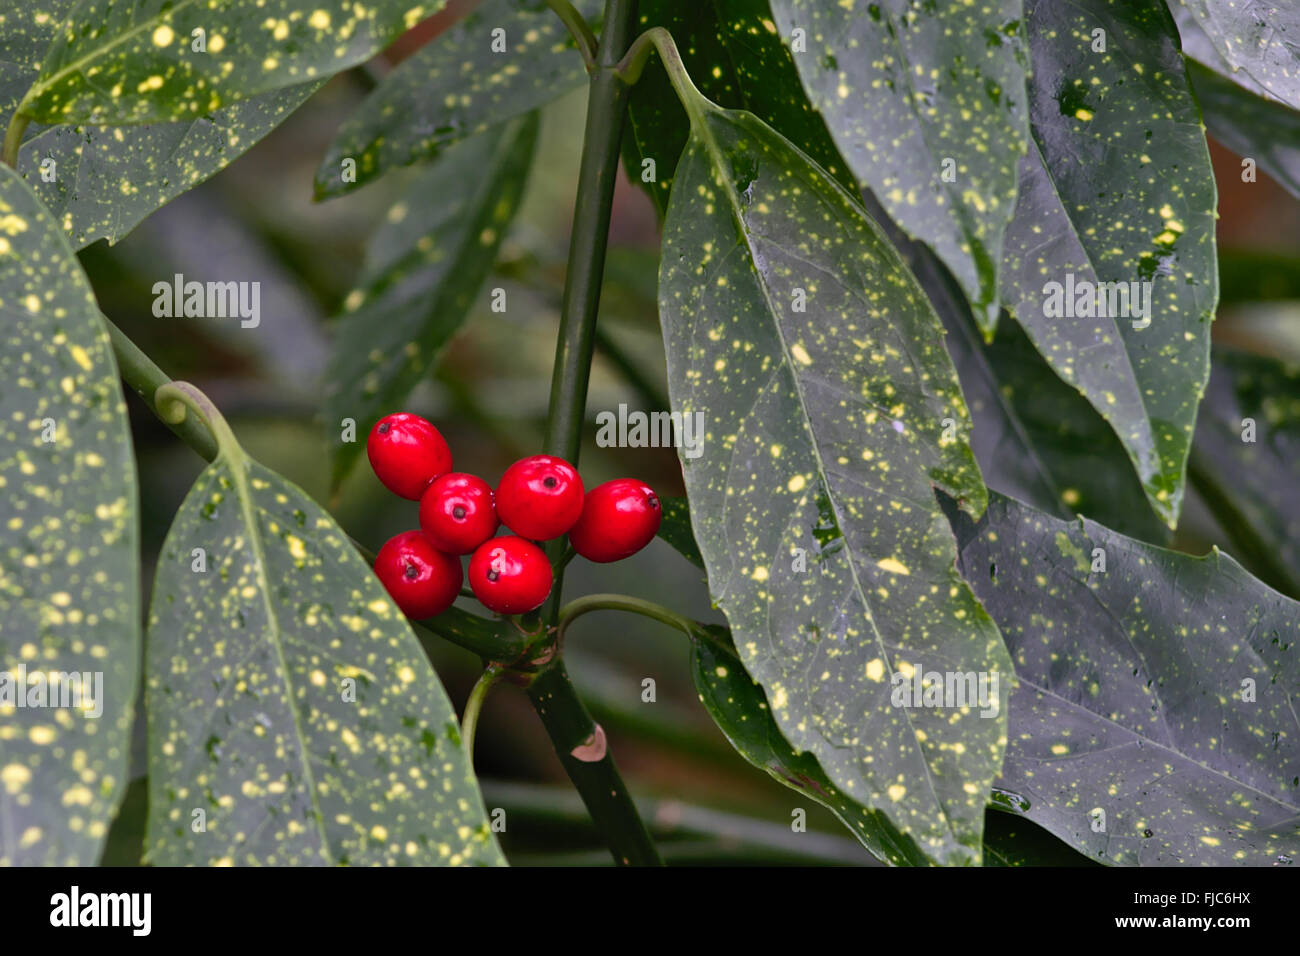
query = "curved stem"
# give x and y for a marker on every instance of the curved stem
(579, 30)
(13, 140)
(469, 720)
(176, 399)
(562, 561)
(622, 602)
(629, 69)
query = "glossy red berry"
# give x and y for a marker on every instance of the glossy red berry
(510, 575)
(618, 519)
(457, 514)
(421, 579)
(540, 497)
(407, 453)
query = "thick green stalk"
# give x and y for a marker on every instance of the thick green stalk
(580, 743)
(578, 739)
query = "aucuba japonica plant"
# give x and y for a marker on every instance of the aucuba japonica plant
(979, 542)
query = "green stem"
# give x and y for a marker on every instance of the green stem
(579, 30)
(469, 720)
(578, 740)
(14, 140)
(580, 743)
(621, 602)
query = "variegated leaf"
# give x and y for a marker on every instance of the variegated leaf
(69, 563)
(1155, 718)
(456, 87)
(831, 410)
(293, 716)
(1110, 260)
(927, 104)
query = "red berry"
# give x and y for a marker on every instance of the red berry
(618, 519)
(407, 453)
(456, 513)
(540, 497)
(510, 575)
(421, 579)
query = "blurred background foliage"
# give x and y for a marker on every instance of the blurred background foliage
(256, 221)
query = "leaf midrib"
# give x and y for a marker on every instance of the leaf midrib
(238, 468)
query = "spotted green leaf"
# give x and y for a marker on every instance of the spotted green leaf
(831, 409)
(927, 104)
(288, 698)
(151, 61)
(422, 272)
(1246, 461)
(735, 58)
(1256, 43)
(739, 707)
(457, 87)
(1117, 191)
(1252, 126)
(1155, 718)
(69, 565)
(101, 182)
(1034, 437)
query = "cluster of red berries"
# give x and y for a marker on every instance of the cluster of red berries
(538, 498)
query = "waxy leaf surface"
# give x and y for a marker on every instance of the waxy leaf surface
(831, 411)
(1115, 218)
(1155, 718)
(100, 182)
(69, 562)
(289, 700)
(927, 104)
(456, 87)
(151, 61)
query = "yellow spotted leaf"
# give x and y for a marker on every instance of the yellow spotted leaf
(151, 61)
(293, 716)
(830, 412)
(99, 182)
(1109, 263)
(468, 80)
(926, 102)
(1154, 720)
(69, 564)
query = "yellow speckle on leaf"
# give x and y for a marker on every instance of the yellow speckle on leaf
(800, 354)
(876, 669)
(896, 792)
(893, 566)
(319, 20)
(163, 36)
